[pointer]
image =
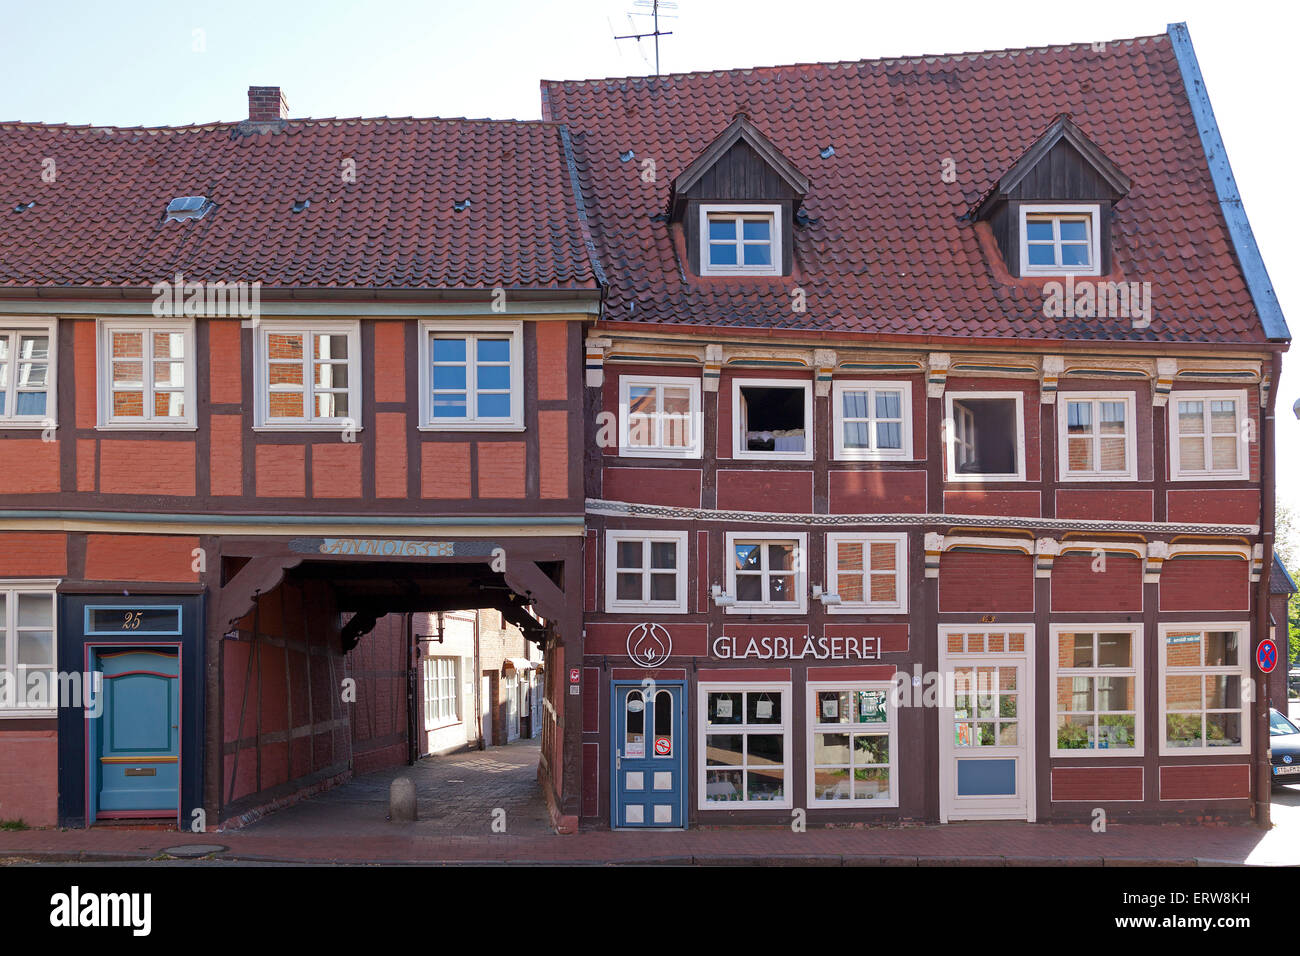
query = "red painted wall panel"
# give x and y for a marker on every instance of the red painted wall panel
(140, 557)
(653, 486)
(877, 492)
(281, 471)
(1214, 506)
(500, 469)
(1227, 781)
(444, 470)
(772, 491)
(1114, 505)
(33, 554)
(1205, 584)
(144, 467)
(1077, 587)
(1096, 783)
(608, 637)
(980, 502)
(225, 362)
(553, 452)
(29, 777)
(390, 361)
(986, 582)
(336, 470)
(40, 471)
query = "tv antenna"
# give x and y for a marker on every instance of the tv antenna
(654, 6)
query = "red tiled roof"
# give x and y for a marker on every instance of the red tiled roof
(888, 249)
(100, 222)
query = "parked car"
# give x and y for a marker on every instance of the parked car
(1284, 740)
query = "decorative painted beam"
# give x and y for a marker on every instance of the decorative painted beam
(938, 376)
(596, 348)
(824, 361)
(1166, 372)
(1045, 550)
(713, 358)
(1053, 366)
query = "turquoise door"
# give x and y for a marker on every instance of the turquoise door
(135, 741)
(649, 752)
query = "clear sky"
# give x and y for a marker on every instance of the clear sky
(131, 63)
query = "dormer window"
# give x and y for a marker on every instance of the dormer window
(740, 240)
(1059, 240)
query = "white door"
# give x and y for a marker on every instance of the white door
(485, 698)
(986, 724)
(512, 707)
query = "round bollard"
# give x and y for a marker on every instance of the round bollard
(401, 800)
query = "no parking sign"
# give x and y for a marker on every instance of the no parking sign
(1266, 655)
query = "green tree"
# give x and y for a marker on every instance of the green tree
(1284, 543)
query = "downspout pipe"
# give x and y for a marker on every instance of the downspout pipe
(1268, 500)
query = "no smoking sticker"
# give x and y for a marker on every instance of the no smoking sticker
(663, 746)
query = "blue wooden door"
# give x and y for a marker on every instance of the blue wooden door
(135, 749)
(649, 754)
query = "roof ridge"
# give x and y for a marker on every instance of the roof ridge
(301, 120)
(918, 58)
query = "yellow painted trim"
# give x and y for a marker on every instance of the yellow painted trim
(294, 531)
(139, 759)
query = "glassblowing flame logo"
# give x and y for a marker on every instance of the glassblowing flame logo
(649, 645)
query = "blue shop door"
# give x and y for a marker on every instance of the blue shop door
(135, 742)
(649, 752)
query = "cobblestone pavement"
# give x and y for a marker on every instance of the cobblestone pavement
(457, 795)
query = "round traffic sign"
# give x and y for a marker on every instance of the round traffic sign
(1266, 655)
(663, 746)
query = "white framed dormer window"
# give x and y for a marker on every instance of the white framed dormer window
(985, 436)
(645, 571)
(767, 574)
(772, 419)
(471, 376)
(1060, 240)
(1097, 436)
(308, 375)
(868, 572)
(659, 417)
(1203, 671)
(1208, 435)
(740, 240)
(28, 623)
(746, 760)
(27, 372)
(1096, 677)
(852, 745)
(146, 374)
(872, 420)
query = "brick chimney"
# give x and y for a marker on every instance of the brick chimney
(267, 104)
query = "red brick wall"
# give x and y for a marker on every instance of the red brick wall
(226, 461)
(225, 364)
(986, 582)
(1096, 783)
(1205, 782)
(980, 502)
(1077, 587)
(39, 473)
(553, 449)
(500, 469)
(84, 373)
(390, 455)
(140, 557)
(33, 554)
(1111, 504)
(658, 486)
(281, 471)
(29, 777)
(877, 492)
(444, 469)
(379, 717)
(552, 360)
(1216, 506)
(1205, 584)
(144, 467)
(390, 361)
(87, 448)
(755, 490)
(336, 470)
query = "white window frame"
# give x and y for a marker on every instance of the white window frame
(1063, 435)
(842, 453)
(1090, 211)
(1134, 671)
(800, 542)
(785, 729)
(433, 679)
(470, 330)
(658, 450)
(888, 729)
(11, 589)
(1176, 472)
(738, 449)
(1241, 670)
(743, 211)
(261, 368)
(107, 421)
(899, 540)
(19, 326)
(950, 438)
(612, 604)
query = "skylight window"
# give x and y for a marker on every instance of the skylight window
(184, 208)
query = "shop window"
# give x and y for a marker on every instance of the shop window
(985, 436)
(868, 572)
(873, 420)
(852, 746)
(767, 575)
(27, 651)
(308, 376)
(27, 375)
(1209, 435)
(745, 753)
(1203, 670)
(645, 571)
(1096, 691)
(659, 417)
(772, 419)
(1095, 437)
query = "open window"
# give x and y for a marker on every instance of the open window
(772, 418)
(985, 436)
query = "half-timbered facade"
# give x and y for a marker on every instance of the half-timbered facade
(262, 383)
(935, 480)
